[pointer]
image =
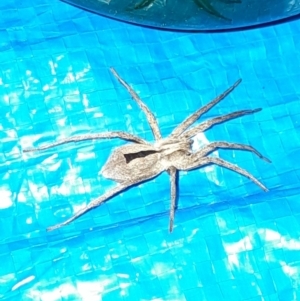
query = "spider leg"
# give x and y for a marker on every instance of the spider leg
(144, 4)
(173, 176)
(107, 135)
(95, 203)
(149, 115)
(110, 193)
(204, 4)
(220, 119)
(227, 145)
(192, 118)
(199, 161)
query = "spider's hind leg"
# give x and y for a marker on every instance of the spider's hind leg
(245, 173)
(173, 177)
(95, 203)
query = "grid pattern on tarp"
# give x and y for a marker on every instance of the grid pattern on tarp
(231, 240)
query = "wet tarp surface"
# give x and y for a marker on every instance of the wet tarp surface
(231, 240)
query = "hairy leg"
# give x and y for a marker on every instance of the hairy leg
(197, 160)
(107, 135)
(95, 203)
(173, 175)
(109, 194)
(217, 120)
(192, 118)
(237, 169)
(227, 145)
(149, 115)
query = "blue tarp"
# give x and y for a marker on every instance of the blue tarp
(231, 240)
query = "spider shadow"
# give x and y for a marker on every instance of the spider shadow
(177, 190)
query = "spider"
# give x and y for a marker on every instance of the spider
(202, 4)
(141, 161)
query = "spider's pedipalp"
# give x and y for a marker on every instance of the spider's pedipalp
(149, 115)
(217, 120)
(107, 135)
(192, 118)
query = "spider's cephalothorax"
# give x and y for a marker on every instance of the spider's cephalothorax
(140, 161)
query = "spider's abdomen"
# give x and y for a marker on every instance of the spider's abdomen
(132, 163)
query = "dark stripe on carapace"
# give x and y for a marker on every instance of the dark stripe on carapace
(142, 154)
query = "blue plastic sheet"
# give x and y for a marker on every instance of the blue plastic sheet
(231, 240)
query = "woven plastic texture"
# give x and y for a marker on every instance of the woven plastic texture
(231, 240)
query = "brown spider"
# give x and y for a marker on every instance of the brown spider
(140, 161)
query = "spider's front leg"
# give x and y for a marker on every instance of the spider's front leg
(149, 115)
(192, 118)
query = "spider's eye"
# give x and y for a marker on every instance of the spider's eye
(142, 154)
